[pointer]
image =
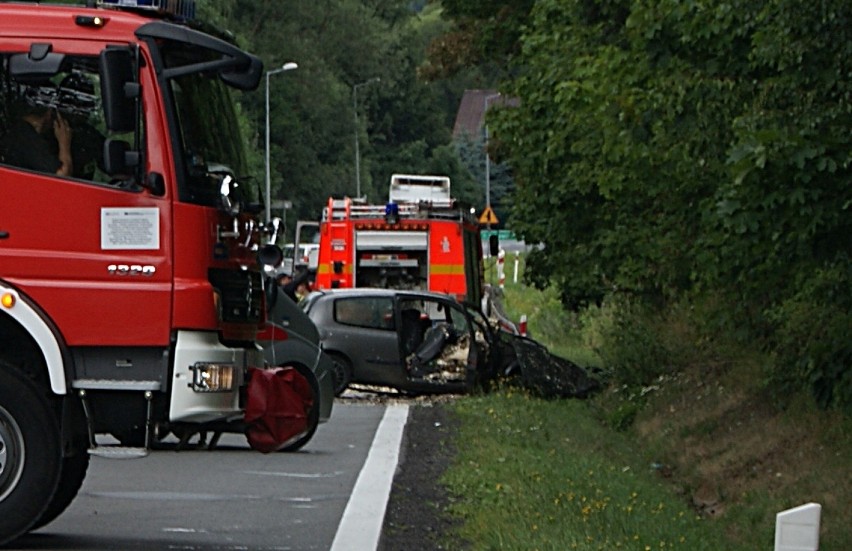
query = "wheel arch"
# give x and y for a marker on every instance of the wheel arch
(36, 344)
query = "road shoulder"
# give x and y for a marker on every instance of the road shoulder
(415, 518)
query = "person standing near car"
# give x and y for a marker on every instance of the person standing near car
(298, 287)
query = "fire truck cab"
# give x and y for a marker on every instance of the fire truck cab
(130, 294)
(421, 239)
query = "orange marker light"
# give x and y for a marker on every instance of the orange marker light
(7, 300)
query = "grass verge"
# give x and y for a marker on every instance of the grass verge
(700, 459)
(536, 474)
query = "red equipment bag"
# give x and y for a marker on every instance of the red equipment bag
(277, 407)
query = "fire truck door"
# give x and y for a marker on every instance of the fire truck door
(89, 250)
(93, 258)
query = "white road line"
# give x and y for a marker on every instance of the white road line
(361, 525)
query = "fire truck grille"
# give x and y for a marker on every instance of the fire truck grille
(241, 294)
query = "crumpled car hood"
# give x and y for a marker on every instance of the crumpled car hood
(548, 375)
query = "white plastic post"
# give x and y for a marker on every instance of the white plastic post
(797, 529)
(517, 254)
(501, 271)
(522, 325)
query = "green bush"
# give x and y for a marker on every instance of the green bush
(812, 342)
(638, 343)
(626, 336)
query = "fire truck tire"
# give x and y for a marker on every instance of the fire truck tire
(73, 472)
(74, 468)
(342, 372)
(313, 413)
(30, 453)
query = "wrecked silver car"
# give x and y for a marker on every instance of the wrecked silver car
(424, 342)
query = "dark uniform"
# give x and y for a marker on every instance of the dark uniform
(23, 147)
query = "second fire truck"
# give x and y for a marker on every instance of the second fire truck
(421, 239)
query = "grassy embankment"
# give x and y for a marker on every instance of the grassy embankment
(698, 460)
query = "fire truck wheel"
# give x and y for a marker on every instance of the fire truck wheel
(313, 413)
(74, 469)
(30, 453)
(342, 372)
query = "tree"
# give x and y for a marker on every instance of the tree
(666, 148)
(403, 121)
(484, 32)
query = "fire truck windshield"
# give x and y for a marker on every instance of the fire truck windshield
(208, 133)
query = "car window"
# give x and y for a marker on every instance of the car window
(432, 311)
(370, 312)
(458, 319)
(31, 109)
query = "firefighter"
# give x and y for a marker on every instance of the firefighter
(297, 287)
(28, 145)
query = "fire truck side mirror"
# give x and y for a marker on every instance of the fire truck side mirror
(270, 255)
(119, 89)
(119, 160)
(246, 77)
(493, 244)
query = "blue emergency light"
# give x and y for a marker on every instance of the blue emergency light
(392, 213)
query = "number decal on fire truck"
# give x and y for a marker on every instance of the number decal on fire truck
(131, 270)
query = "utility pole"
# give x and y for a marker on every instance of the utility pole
(289, 66)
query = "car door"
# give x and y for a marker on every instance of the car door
(437, 340)
(366, 333)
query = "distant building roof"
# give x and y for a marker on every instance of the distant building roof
(470, 115)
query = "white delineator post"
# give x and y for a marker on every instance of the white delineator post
(797, 529)
(501, 269)
(517, 261)
(522, 325)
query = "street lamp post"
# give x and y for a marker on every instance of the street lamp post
(487, 158)
(357, 140)
(289, 66)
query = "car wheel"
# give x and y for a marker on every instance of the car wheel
(342, 372)
(30, 453)
(313, 413)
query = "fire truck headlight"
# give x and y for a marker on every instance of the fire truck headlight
(212, 377)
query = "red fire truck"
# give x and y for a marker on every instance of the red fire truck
(421, 239)
(130, 294)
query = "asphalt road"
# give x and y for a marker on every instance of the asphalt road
(228, 498)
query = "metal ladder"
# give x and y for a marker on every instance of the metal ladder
(83, 386)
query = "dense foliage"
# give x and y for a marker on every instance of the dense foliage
(695, 152)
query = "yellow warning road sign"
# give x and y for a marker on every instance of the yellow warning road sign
(488, 216)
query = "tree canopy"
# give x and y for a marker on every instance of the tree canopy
(668, 149)
(401, 123)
